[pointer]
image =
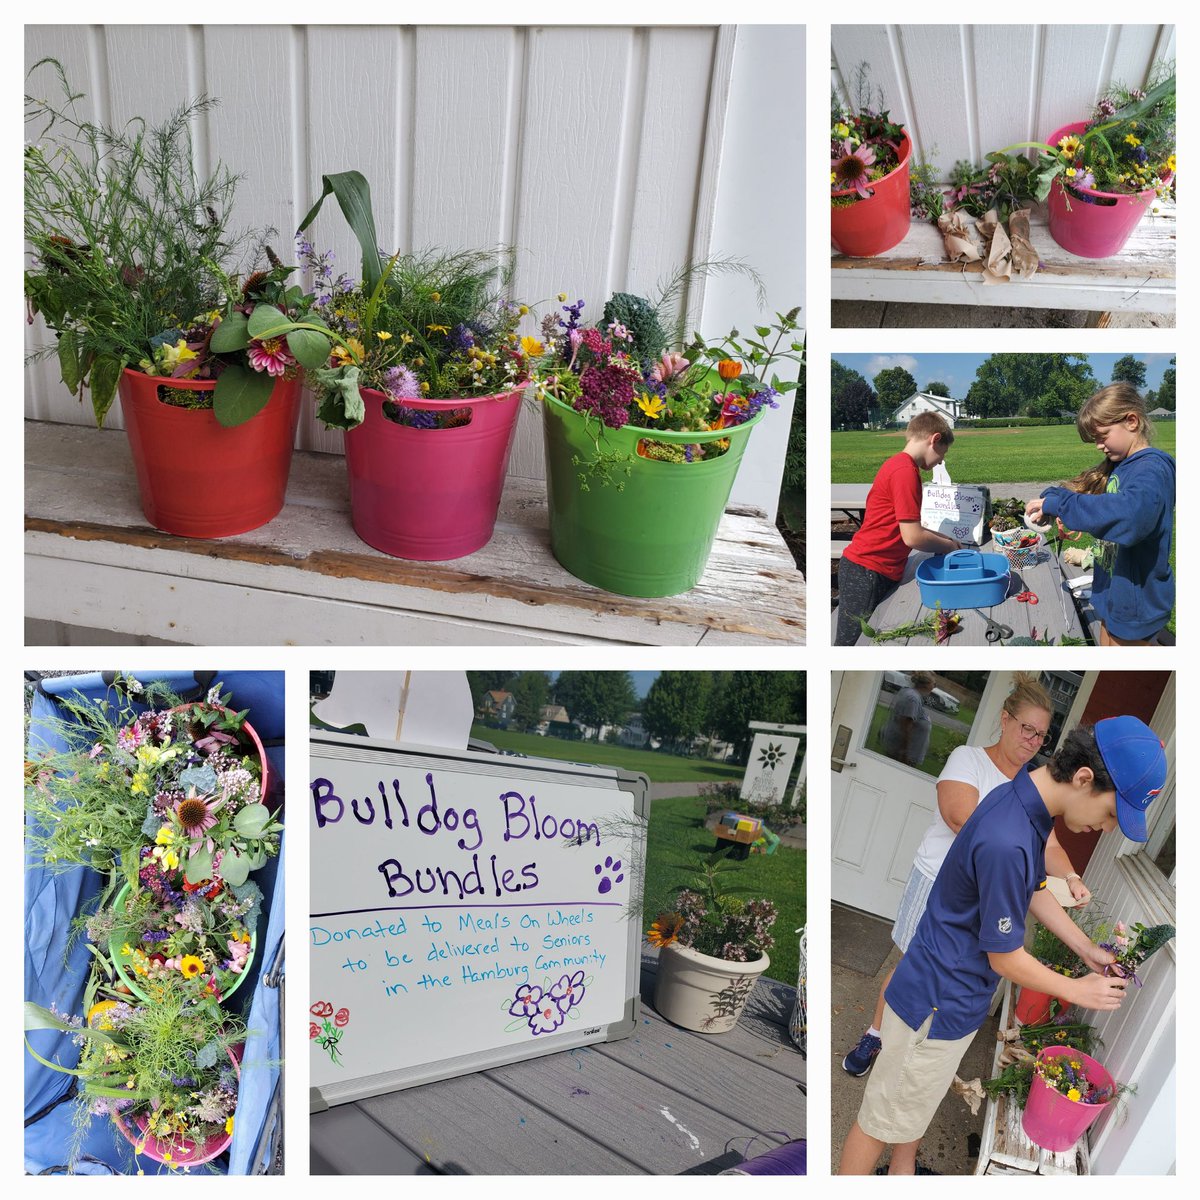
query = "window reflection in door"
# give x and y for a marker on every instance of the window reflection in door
(921, 716)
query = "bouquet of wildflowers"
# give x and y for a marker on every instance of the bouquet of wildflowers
(621, 372)
(161, 1069)
(864, 142)
(436, 325)
(199, 933)
(131, 255)
(185, 779)
(1068, 1076)
(1131, 946)
(1128, 146)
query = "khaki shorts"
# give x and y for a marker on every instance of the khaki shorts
(911, 1075)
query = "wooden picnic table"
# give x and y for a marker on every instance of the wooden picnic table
(1139, 279)
(1055, 613)
(664, 1101)
(849, 499)
(1004, 1149)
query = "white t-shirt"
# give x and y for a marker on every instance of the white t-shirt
(966, 764)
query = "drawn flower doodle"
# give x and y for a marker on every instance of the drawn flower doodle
(329, 1033)
(567, 992)
(528, 997)
(547, 1018)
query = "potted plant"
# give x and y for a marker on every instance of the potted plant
(644, 437)
(166, 1071)
(712, 950)
(869, 156)
(1098, 177)
(1068, 1090)
(426, 385)
(131, 252)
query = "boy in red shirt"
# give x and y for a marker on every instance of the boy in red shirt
(872, 565)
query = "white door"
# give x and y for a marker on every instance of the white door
(882, 807)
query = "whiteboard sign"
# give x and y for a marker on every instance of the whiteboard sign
(955, 510)
(467, 910)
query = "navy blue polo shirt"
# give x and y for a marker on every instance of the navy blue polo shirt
(977, 905)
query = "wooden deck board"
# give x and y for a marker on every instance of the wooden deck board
(292, 579)
(1141, 278)
(663, 1101)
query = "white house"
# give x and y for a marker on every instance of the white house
(634, 732)
(920, 402)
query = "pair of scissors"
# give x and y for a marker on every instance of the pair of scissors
(1026, 597)
(995, 631)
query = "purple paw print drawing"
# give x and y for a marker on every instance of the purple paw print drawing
(612, 867)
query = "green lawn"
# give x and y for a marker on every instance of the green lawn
(658, 767)
(677, 836)
(1022, 455)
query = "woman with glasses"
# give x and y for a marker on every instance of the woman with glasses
(970, 773)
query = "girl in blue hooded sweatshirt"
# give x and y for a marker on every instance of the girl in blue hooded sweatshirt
(1128, 502)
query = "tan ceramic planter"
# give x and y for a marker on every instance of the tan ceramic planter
(704, 993)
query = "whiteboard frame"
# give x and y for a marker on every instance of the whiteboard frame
(349, 746)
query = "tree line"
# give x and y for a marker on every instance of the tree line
(1005, 385)
(679, 707)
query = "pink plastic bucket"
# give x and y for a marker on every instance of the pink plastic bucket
(872, 226)
(430, 494)
(1092, 230)
(1051, 1120)
(196, 477)
(182, 1152)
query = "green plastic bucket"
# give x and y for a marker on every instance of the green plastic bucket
(651, 538)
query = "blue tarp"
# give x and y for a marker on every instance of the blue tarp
(55, 975)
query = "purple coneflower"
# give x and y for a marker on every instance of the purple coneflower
(195, 815)
(852, 170)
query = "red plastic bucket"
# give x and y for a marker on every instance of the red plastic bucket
(196, 477)
(430, 494)
(1033, 1008)
(1051, 1120)
(872, 226)
(1092, 230)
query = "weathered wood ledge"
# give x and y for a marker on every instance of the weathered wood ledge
(92, 561)
(1139, 279)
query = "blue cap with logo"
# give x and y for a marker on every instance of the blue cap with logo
(1136, 760)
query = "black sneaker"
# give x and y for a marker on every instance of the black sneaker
(860, 1060)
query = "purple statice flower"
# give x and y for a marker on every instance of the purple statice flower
(689, 455)
(654, 386)
(757, 401)
(400, 383)
(1140, 154)
(461, 338)
(155, 935)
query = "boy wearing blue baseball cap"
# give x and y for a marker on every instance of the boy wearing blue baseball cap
(973, 930)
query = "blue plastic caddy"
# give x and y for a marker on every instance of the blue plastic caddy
(964, 579)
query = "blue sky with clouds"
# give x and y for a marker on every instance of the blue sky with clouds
(957, 371)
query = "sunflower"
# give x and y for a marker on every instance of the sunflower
(191, 966)
(665, 930)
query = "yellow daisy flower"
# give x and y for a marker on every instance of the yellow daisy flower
(532, 347)
(383, 335)
(1073, 1094)
(652, 406)
(191, 966)
(437, 328)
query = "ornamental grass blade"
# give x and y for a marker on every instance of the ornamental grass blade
(353, 194)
